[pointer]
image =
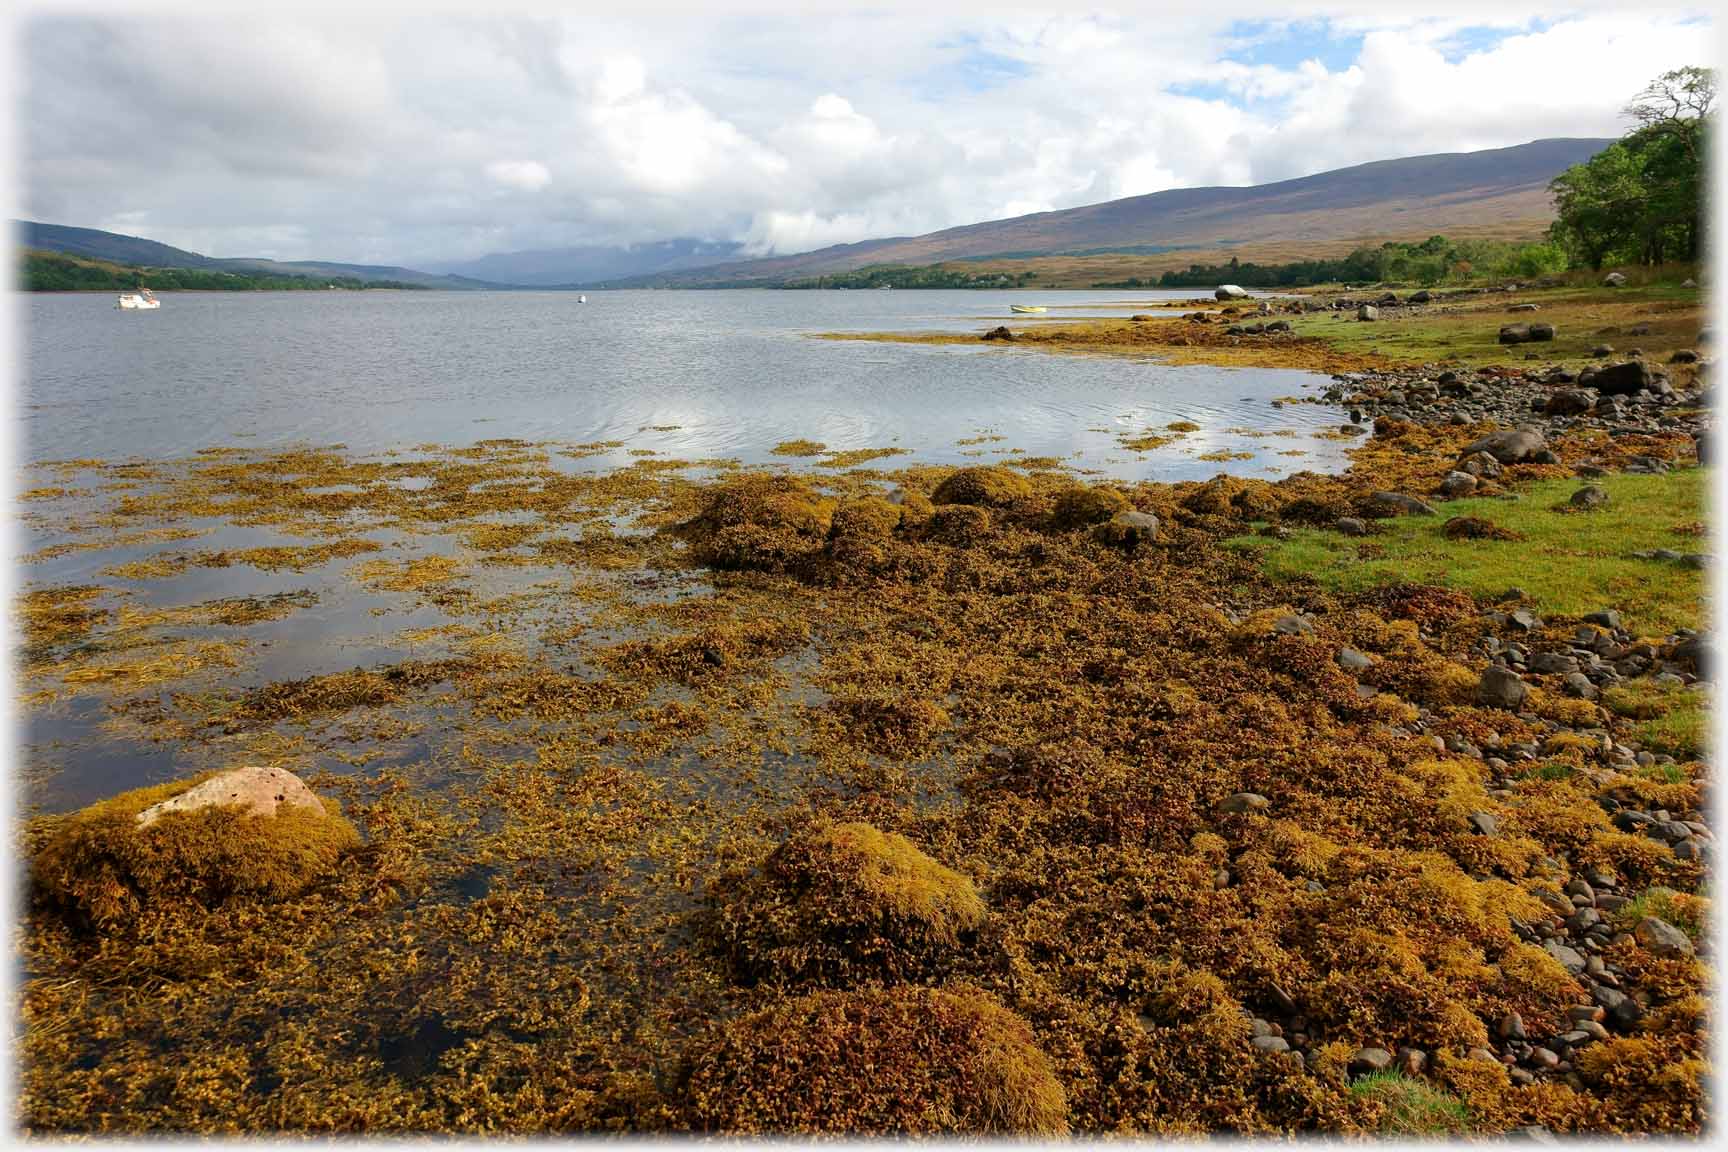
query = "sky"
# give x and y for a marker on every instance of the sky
(439, 133)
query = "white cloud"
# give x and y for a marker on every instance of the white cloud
(326, 136)
(527, 175)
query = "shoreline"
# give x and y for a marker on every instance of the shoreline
(632, 716)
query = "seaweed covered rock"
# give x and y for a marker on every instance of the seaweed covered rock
(1083, 506)
(842, 899)
(1127, 529)
(869, 518)
(1234, 497)
(982, 485)
(193, 843)
(882, 1061)
(760, 521)
(959, 525)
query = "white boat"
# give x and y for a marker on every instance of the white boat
(143, 298)
(581, 299)
(1027, 308)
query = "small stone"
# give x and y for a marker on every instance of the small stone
(1292, 625)
(1395, 503)
(1244, 802)
(1569, 959)
(1543, 1057)
(1352, 659)
(1457, 484)
(1590, 496)
(1511, 1027)
(1501, 688)
(1484, 824)
(1370, 1060)
(1411, 1061)
(1351, 526)
(1271, 1044)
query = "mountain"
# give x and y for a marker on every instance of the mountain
(1500, 191)
(94, 244)
(566, 267)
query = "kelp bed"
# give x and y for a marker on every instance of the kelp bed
(699, 798)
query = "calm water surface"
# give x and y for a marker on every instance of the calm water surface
(735, 371)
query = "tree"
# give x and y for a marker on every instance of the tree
(1642, 197)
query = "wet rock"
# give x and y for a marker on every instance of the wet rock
(1000, 332)
(1501, 688)
(259, 791)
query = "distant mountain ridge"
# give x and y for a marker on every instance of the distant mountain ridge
(1500, 191)
(586, 265)
(1499, 188)
(95, 244)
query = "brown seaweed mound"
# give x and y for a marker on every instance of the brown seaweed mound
(102, 864)
(982, 485)
(900, 1061)
(761, 522)
(1083, 506)
(840, 899)
(1476, 528)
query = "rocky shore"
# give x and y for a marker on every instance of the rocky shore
(934, 800)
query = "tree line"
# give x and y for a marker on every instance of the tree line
(914, 276)
(55, 272)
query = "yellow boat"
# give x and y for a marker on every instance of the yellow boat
(1027, 308)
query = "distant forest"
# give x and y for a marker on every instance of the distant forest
(913, 276)
(54, 272)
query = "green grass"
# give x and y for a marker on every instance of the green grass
(1684, 912)
(1570, 563)
(1668, 718)
(1413, 1107)
(1580, 315)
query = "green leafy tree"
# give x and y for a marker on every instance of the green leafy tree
(1642, 198)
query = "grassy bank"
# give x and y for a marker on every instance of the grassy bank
(1570, 563)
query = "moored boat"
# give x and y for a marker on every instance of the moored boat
(1027, 308)
(143, 298)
